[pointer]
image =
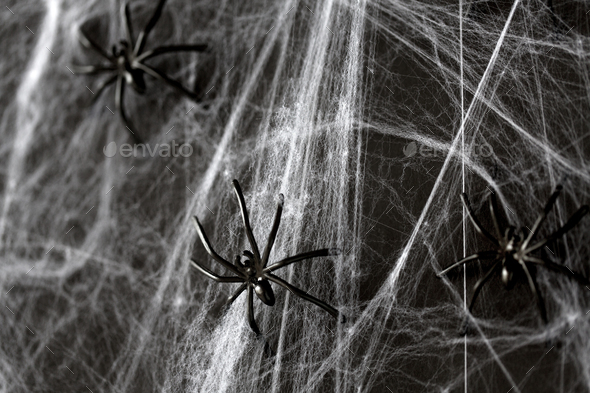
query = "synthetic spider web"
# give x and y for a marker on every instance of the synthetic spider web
(371, 117)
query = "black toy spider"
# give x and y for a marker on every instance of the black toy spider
(512, 254)
(253, 272)
(127, 62)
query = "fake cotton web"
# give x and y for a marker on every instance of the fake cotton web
(371, 117)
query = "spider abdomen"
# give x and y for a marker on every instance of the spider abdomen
(507, 277)
(264, 292)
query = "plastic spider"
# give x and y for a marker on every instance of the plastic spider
(513, 255)
(253, 273)
(127, 62)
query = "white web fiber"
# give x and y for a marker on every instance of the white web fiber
(369, 116)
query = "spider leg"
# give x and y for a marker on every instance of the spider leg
(245, 219)
(478, 227)
(103, 86)
(91, 44)
(119, 97)
(236, 294)
(300, 257)
(210, 250)
(542, 216)
(126, 15)
(172, 48)
(558, 268)
(251, 320)
(214, 276)
(165, 78)
(298, 292)
(142, 37)
(92, 69)
(273, 231)
(494, 213)
(479, 255)
(536, 293)
(571, 222)
(479, 284)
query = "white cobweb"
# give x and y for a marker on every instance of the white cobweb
(371, 117)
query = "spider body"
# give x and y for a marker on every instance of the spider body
(127, 67)
(253, 273)
(255, 278)
(264, 292)
(513, 254)
(510, 253)
(127, 63)
(509, 266)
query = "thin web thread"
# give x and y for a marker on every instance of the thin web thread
(463, 184)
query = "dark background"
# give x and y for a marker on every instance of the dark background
(357, 112)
